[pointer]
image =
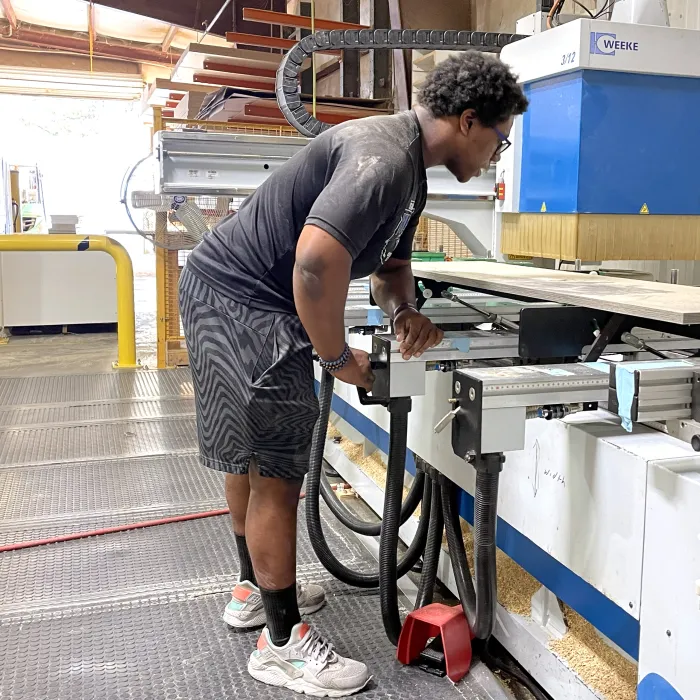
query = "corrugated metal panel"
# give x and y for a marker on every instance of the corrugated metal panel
(28, 81)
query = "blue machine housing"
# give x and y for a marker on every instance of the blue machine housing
(602, 142)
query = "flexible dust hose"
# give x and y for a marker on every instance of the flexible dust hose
(361, 527)
(479, 605)
(313, 513)
(485, 517)
(458, 554)
(433, 547)
(388, 588)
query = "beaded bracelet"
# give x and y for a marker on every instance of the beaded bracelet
(335, 365)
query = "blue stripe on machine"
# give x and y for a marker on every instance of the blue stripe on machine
(654, 687)
(612, 620)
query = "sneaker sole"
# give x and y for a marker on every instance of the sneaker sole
(278, 679)
(259, 620)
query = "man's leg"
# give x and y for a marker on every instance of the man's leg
(290, 654)
(237, 495)
(271, 533)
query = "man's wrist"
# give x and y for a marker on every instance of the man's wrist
(405, 306)
(337, 364)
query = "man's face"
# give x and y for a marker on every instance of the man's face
(475, 146)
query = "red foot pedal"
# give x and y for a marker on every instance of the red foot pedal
(438, 621)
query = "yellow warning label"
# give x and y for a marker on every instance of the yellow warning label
(521, 258)
(544, 208)
(644, 209)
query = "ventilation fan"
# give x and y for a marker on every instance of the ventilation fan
(186, 220)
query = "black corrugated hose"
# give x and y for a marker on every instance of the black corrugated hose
(433, 547)
(458, 554)
(480, 606)
(485, 517)
(313, 515)
(361, 527)
(389, 541)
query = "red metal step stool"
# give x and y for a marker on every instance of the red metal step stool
(450, 625)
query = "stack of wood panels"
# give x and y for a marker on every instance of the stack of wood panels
(251, 74)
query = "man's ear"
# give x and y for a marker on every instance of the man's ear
(466, 120)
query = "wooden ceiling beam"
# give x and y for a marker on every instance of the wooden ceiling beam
(168, 40)
(70, 42)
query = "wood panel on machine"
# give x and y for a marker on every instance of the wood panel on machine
(652, 300)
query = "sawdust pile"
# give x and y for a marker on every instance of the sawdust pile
(596, 663)
(373, 465)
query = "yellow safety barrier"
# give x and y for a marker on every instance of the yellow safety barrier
(126, 321)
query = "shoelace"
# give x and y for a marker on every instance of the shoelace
(317, 647)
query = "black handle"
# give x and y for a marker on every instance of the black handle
(367, 400)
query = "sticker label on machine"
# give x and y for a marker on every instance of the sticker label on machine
(532, 371)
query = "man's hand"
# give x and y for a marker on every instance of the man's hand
(357, 371)
(416, 333)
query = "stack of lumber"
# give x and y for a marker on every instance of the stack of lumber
(249, 69)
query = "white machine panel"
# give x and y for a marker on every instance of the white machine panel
(670, 620)
(598, 45)
(58, 288)
(585, 475)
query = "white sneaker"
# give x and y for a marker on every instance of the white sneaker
(246, 609)
(307, 664)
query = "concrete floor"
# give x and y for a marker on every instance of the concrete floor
(83, 353)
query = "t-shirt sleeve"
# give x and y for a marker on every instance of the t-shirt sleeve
(361, 195)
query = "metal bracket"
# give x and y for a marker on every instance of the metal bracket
(605, 336)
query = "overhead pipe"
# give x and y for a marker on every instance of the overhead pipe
(101, 48)
(126, 320)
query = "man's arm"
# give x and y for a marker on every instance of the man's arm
(393, 286)
(321, 280)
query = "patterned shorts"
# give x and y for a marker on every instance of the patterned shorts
(253, 380)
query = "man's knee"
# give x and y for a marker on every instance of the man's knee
(283, 493)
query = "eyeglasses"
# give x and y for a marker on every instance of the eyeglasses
(505, 143)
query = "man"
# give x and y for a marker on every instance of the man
(270, 283)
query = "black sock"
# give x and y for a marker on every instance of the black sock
(247, 573)
(282, 612)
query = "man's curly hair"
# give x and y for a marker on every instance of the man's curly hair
(473, 80)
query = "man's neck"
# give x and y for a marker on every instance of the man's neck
(433, 133)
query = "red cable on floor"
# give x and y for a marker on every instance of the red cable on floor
(109, 530)
(125, 528)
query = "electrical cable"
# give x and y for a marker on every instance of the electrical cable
(124, 528)
(606, 8)
(109, 530)
(584, 8)
(550, 17)
(510, 669)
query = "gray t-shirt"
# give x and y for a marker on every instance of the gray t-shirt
(363, 182)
